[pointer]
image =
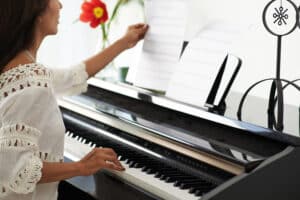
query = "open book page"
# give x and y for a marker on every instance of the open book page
(162, 44)
(201, 62)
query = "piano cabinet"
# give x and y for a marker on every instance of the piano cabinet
(101, 186)
(175, 155)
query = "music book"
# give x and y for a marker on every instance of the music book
(198, 72)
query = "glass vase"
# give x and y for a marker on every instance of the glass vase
(109, 73)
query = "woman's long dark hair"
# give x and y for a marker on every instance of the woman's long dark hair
(17, 26)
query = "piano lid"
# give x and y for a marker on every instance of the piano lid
(200, 112)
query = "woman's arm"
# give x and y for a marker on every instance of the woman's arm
(134, 34)
(97, 159)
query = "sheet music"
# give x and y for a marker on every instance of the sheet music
(162, 44)
(201, 62)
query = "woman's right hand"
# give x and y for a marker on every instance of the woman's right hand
(97, 159)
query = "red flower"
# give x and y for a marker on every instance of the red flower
(94, 12)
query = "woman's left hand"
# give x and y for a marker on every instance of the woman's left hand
(134, 34)
(97, 62)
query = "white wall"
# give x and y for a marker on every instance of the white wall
(257, 48)
(76, 41)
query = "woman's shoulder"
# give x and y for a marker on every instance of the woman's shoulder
(24, 76)
(24, 71)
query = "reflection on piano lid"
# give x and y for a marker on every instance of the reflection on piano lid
(170, 153)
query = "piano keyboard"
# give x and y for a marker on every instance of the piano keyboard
(156, 178)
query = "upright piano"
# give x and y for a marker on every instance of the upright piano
(174, 151)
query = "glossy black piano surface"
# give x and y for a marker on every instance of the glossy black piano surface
(256, 155)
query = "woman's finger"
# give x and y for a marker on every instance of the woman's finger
(90, 154)
(109, 151)
(111, 165)
(139, 25)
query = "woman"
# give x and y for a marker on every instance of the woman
(32, 129)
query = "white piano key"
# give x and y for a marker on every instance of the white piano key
(90, 144)
(75, 150)
(153, 185)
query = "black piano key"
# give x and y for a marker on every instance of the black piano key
(165, 170)
(127, 161)
(177, 183)
(180, 176)
(150, 171)
(192, 190)
(180, 181)
(153, 165)
(169, 179)
(122, 158)
(133, 164)
(165, 177)
(183, 186)
(137, 165)
(172, 172)
(144, 168)
(198, 193)
(157, 175)
(139, 159)
(202, 190)
(148, 166)
(162, 177)
(190, 184)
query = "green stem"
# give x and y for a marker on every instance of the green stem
(106, 29)
(114, 14)
(104, 35)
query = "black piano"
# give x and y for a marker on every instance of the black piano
(174, 151)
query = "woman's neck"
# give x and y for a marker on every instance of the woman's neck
(30, 56)
(24, 57)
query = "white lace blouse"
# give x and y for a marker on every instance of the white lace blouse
(31, 127)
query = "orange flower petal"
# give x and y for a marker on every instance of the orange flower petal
(86, 17)
(94, 23)
(96, 2)
(87, 7)
(104, 18)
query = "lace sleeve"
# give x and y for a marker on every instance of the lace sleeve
(23, 113)
(70, 81)
(20, 168)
